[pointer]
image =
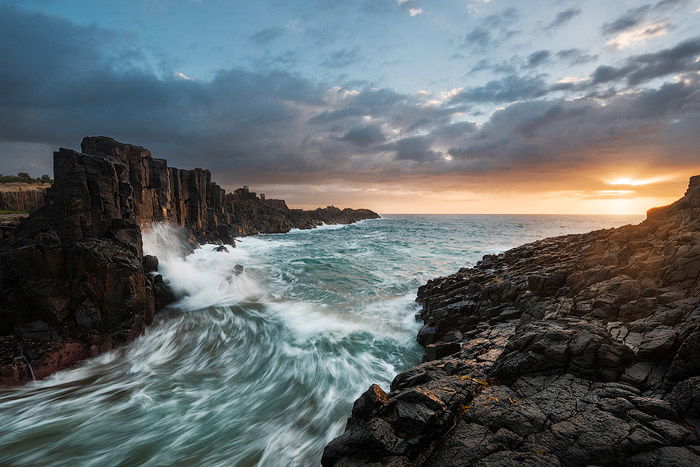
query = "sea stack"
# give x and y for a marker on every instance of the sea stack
(575, 350)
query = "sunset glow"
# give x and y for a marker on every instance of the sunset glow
(632, 181)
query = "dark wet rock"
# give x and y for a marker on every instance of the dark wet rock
(238, 270)
(150, 263)
(575, 350)
(189, 198)
(74, 281)
(254, 214)
(221, 249)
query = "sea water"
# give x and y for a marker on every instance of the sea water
(259, 367)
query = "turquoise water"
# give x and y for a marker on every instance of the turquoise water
(259, 368)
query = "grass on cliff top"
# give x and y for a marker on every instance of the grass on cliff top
(18, 179)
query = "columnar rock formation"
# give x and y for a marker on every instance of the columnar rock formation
(576, 350)
(22, 196)
(161, 193)
(72, 285)
(73, 278)
(189, 198)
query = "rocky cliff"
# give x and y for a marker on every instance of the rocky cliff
(73, 278)
(72, 284)
(22, 196)
(189, 198)
(576, 350)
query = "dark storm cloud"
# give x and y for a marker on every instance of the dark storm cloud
(563, 17)
(364, 135)
(61, 82)
(564, 135)
(415, 148)
(645, 67)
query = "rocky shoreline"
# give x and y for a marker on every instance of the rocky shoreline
(575, 350)
(74, 281)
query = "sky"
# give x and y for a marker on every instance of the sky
(401, 106)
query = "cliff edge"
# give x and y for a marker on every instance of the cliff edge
(575, 350)
(74, 281)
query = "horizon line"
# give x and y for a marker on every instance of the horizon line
(506, 214)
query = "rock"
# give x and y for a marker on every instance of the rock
(23, 196)
(221, 249)
(73, 279)
(150, 263)
(440, 350)
(579, 350)
(189, 198)
(73, 276)
(237, 270)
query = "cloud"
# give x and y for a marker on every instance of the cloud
(562, 18)
(642, 33)
(364, 135)
(642, 68)
(538, 58)
(575, 56)
(62, 81)
(415, 148)
(181, 75)
(509, 89)
(634, 17)
(415, 11)
(560, 135)
(492, 30)
(267, 35)
(631, 18)
(342, 58)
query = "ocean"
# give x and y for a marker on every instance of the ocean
(262, 367)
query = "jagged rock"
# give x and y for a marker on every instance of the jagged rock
(73, 282)
(73, 278)
(221, 249)
(581, 350)
(150, 263)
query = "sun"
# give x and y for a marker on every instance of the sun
(632, 181)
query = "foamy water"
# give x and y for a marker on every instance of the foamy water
(261, 367)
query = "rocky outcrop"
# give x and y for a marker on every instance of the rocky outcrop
(189, 198)
(254, 214)
(576, 350)
(72, 284)
(73, 278)
(166, 194)
(22, 196)
(9, 224)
